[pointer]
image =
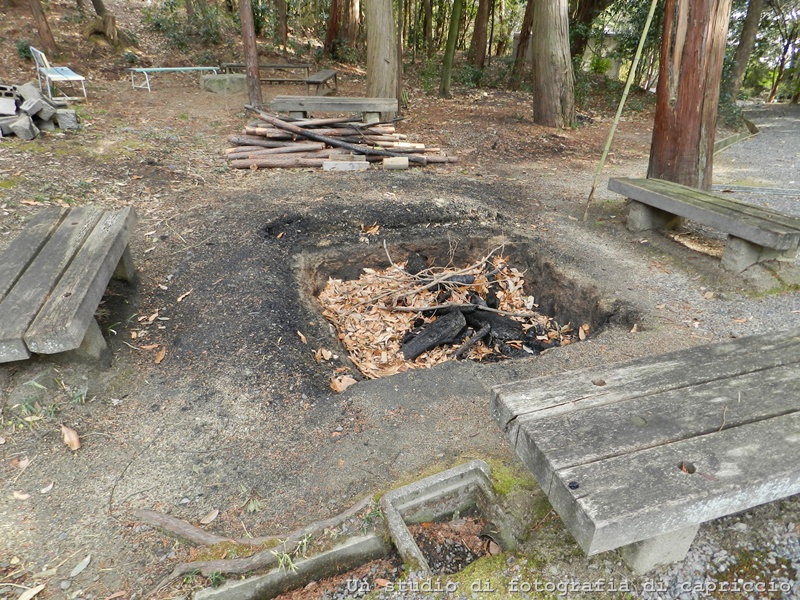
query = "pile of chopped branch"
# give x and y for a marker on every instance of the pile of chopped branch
(413, 316)
(276, 141)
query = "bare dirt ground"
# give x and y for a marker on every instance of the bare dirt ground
(239, 416)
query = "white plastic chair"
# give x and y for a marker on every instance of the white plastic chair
(48, 76)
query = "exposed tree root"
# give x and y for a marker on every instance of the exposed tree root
(238, 566)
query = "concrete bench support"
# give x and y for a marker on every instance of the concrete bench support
(53, 276)
(755, 233)
(636, 456)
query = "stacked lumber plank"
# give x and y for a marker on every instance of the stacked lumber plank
(277, 141)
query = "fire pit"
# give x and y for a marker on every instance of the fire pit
(416, 304)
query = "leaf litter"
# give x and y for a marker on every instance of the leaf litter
(373, 314)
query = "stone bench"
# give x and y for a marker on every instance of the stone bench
(321, 82)
(53, 276)
(755, 233)
(301, 106)
(637, 455)
(148, 71)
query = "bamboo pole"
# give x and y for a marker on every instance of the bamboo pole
(631, 76)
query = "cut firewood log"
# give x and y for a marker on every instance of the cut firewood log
(253, 140)
(444, 330)
(290, 162)
(287, 149)
(331, 141)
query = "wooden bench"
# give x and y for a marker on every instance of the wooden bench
(281, 67)
(755, 233)
(148, 71)
(301, 106)
(321, 82)
(637, 455)
(53, 276)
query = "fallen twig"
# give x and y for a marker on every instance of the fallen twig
(477, 337)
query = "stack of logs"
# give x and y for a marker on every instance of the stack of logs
(276, 141)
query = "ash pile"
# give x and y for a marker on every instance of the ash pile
(25, 112)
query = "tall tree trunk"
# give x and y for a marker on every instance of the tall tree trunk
(522, 45)
(350, 20)
(788, 43)
(401, 22)
(45, 34)
(381, 49)
(744, 49)
(99, 7)
(553, 84)
(283, 26)
(450, 49)
(580, 24)
(332, 31)
(250, 53)
(189, 4)
(427, 26)
(692, 51)
(480, 35)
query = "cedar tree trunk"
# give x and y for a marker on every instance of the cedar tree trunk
(381, 50)
(45, 34)
(692, 51)
(744, 49)
(250, 53)
(553, 84)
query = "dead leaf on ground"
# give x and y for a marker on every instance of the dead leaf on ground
(161, 354)
(71, 438)
(31, 592)
(323, 354)
(81, 566)
(19, 495)
(182, 296)
(302, 337)
(119, 594)
(209, 517)
(46, 489)
(340, 384)
(149, 347)
(381, 582)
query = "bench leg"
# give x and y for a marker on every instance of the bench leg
(740, 254)
(642, 217)
(371, 117)
(298, 114)
(93, 348)
(125, 269)
(662, 550)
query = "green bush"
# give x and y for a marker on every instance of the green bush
(599, 65)
(24, 49)
(468, 75)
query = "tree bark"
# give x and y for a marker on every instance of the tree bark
(480, 35)
(745, 46)
(250, 53)
(553, 85)
(332, 31)
(282, 25)
(99, 7)
(581, 23)
(381, 51)
(522, 46)
(427, 26)
(350, 20)
(692, 51)
(789, 40)
(45, 34)
(450, 49)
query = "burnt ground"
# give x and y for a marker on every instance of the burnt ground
(238, 409)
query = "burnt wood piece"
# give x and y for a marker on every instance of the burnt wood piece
(476, 337)
(636, 455)
(444, 330)
(504, 329)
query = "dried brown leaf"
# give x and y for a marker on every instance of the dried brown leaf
(209, 517)
(71, 438)
(161, 354)
(21, 495)
(340, 384)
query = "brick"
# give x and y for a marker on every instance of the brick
(32, 107)
(30, 91)
(8, 106)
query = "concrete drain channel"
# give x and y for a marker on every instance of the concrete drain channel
(460, 490)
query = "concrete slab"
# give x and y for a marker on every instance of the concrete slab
(225, 83)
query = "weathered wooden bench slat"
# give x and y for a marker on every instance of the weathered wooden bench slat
(642, 495)
(622, 381)
(756, 224)
(63, 321)
(23, 302)
(333, 104)
(24, 247)
(602, 432)
(320, 82)
(605, 443)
